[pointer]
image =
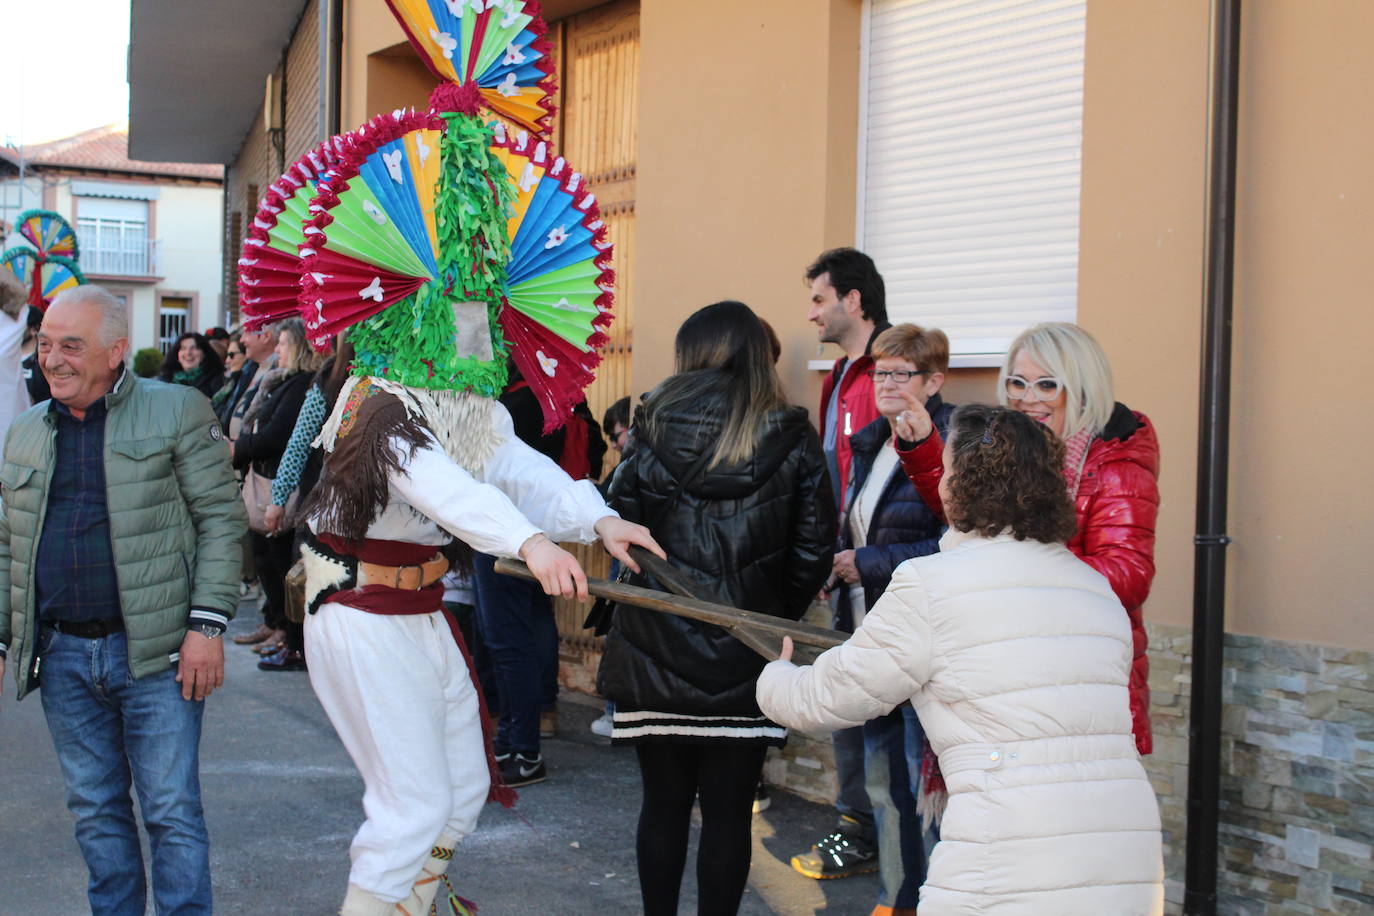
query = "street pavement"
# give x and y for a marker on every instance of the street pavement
(283, 800)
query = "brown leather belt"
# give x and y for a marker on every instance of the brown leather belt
(406, 578)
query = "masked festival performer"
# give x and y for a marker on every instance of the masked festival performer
(444, 244)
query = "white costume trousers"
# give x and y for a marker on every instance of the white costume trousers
(399, 694)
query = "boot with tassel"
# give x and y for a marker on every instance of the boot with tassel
(426, 887)
(360, 902)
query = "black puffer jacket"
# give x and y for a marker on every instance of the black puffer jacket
(264, 439)
(758, 536)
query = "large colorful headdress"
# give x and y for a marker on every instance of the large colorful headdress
(49, 266)
(447, 242)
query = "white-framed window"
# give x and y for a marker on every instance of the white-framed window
(113, 235)
(173, 318)
(970, 139)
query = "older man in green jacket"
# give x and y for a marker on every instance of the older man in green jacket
(119, 562)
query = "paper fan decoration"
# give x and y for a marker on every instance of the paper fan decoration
(269, 265)
(45, 277)
(492, 52)
(50, 234)
(559, 279)
(382, 243)
(447, 245)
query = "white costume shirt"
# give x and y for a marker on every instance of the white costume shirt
(517, 493)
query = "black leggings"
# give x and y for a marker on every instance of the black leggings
(274, 556)
(674, 775)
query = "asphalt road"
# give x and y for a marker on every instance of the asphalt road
(283, 800)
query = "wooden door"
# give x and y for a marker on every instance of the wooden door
(597, 53)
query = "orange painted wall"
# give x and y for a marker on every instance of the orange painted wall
(746, 162)
(1300, 513)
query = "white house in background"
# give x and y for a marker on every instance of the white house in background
(150, 232)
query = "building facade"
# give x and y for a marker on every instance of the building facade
(148, 231)
(1009, 162)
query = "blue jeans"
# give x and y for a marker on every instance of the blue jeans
(516, 621)
(851, 799)
(112, 732)
(893, 745)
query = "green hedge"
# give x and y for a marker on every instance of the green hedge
(147, 362)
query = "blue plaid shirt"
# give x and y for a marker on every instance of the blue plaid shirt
(75, 572)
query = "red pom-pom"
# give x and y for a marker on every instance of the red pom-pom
(464, 99)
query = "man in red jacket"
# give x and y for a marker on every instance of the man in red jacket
(849, 308)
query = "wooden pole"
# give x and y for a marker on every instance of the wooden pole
(761, 632)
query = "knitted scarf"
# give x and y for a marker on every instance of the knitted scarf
(188, 376)
(1075, 453)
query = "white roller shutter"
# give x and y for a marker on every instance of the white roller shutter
(970, 139)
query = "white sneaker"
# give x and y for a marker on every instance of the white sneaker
(602, 726)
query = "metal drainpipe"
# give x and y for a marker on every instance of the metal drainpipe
(330, 42)
(1214, 426)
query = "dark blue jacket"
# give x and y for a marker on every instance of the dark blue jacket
(902, 527)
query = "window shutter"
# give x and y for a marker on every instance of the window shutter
(111, 208)
(971, 132)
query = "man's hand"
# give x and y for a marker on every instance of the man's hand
(786, 654)
(913, 424)
(844, 566)
(617, 535)
(201, 669)
(273, 517)
(555, 568)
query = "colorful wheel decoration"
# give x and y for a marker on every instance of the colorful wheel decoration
(50, 234)
(50, 266)
(560, 281)
(45, 277)
(269, 267)
(497, 47)
(446, 247)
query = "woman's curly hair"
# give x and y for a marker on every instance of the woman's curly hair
(1007, 472)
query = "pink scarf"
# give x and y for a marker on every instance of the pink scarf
(1075, 453)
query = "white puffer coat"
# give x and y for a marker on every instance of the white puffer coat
(1016, 655)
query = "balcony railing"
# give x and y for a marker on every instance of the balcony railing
(139, 259)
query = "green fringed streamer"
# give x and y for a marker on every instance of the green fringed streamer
(413, 341)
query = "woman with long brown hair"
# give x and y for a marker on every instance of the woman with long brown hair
(731, 481)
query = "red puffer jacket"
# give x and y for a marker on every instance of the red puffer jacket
(1117, 503)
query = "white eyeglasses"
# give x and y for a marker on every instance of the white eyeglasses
(1042, 389)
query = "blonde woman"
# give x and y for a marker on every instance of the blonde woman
(731, 481)
(1057, 374)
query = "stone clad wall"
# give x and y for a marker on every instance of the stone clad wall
(1297, 789)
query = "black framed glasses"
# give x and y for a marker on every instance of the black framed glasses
(900, 376)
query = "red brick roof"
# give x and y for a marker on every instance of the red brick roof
(107, 148)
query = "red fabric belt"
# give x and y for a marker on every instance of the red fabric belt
(384, 553)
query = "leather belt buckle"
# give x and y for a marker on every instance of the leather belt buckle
(409, 578)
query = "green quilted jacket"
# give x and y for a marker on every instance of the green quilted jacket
(176, 520)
